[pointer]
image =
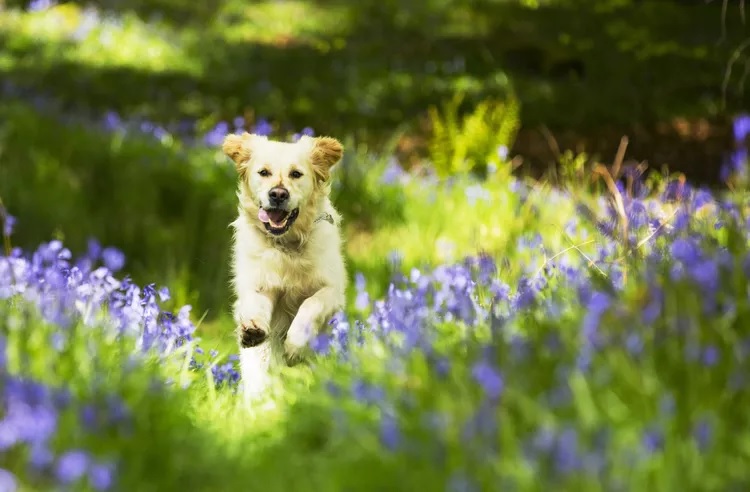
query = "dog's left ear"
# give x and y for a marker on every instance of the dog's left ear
(326, 152)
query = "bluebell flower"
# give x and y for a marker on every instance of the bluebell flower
(321, 343)
(596, 306)
(113, 259)
(653, 440)
(677, 190)
(735, 165)
(711, 355)
(101, 475)
(702, 433)
(367, 393)
(566, 454)
(8, 481)
(489, 378)
(634, 343)
(9, 223)
(40, 456)
(362, 301)
(637, 214)
(72, 466)
(216, 135)
(40, 5)
(393, 172)
(390, 435)
(262, 127)
(741, 128)
(685, 250)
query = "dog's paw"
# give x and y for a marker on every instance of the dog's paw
(251, 334)
(296, 343)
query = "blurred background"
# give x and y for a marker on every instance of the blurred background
(112, 112)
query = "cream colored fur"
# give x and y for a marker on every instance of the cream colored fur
(288, 286)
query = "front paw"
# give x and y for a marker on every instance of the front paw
(251, 334)
(297, 341)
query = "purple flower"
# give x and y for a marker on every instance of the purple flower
(393, 172)
(634, 343)
(216, 135)
(101, 476)
(9, 223)
(685, 250)
(702, 432)
(40, 456)
(676, 190)
(113, 259)
(362, 300)
(488, 378)
(637, 214)
(567, 457)
(653, 440)
(263, 127)
(741, 127)
(40, 5)
(390, 435)
(71, 466)
(8, 482)
(710, 356)
(736, 165)
(595, 309)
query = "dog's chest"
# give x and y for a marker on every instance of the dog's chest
(292, 273)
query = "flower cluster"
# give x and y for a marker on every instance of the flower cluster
(77, 295)
(651, 296)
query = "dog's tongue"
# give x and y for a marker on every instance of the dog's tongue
(263, 216)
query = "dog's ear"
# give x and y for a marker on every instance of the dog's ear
(236, 147)
(326, 152)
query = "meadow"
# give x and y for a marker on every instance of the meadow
(586, 331)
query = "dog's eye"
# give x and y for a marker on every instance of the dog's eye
(264, 172)
(295, 174)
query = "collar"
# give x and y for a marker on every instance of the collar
(324, 216)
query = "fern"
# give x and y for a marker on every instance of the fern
(469, 143)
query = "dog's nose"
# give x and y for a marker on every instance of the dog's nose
(278, 195)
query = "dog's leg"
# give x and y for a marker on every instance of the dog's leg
(253, 317)
(312, 314)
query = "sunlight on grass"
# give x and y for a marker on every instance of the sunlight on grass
(281, 23)
(69, 33)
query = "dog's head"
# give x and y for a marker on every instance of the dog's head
(282, 180)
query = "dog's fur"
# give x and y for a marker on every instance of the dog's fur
(287, 285)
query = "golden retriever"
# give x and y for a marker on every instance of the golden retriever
(288, 270)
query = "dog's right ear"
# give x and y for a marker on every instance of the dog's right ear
(237, 148)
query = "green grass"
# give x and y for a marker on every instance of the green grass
(360, 71)
(303, 436)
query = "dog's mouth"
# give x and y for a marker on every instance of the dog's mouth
(276, 220)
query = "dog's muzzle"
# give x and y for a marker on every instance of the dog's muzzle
(277, 221)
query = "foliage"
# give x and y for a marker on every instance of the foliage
(304, 62)
(588, 359)
(472, 142)
(500, 333)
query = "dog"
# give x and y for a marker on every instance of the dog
(288, 271)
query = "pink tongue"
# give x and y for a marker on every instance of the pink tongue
(263, 216)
